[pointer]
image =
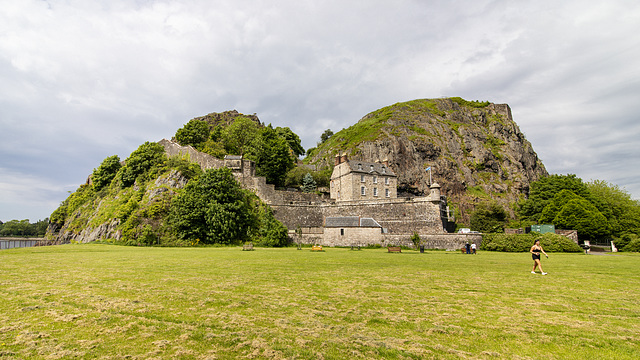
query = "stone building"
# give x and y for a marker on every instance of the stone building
(351, 216)
(359, 180)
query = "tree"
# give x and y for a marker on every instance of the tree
(193, 133)
(141, 161)
(240, 137)
(273, 160)
(292, 139)
(212, 209)
(581, 215)
(622, 212)
(308, 184)
(325, 136)
(541, 193)
(489, 218)
(106, 172)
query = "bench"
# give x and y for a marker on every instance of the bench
(247, 247)
(316, 248)
(394, 249)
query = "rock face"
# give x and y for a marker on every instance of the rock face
(475, 150)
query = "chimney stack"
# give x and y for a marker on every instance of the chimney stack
(385, 162)
(344, 158)
(336, 161)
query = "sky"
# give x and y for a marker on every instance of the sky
(84, 80)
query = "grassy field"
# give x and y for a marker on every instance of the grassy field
(112, 302)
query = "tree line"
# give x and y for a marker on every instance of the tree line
(24, 228)
(598, 210)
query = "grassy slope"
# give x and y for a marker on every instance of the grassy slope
(102, 301)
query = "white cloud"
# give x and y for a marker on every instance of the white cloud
(85, 80)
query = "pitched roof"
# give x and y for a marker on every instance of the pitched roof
(368, 168)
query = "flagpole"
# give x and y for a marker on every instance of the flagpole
(429, 170)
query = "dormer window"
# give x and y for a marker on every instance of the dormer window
(384, 170)
(359, 166)
(371, 168)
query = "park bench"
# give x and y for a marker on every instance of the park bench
(316, 248)
(394, 249)
(247, 247)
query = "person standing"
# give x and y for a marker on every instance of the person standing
(535, 251)
(473, 248)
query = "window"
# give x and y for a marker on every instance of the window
(386, 181)
(375, 191)
(342, 232)
(386, 192)
(375, 179)
(384, 170)
(362, 191)
(361, 178)
(359, 166)
(371, 168)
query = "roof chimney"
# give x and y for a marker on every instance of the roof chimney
(336, 161)
(385, 162)
(344, 158)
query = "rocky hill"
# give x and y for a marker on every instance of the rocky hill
(475, 150)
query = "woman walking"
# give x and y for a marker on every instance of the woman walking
(535, 251)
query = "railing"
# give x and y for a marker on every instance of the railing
(20, 243)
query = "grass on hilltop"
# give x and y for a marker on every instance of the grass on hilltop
(112, 302)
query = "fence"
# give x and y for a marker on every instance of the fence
(20, 243)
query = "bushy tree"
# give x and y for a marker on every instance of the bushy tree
(272, 233)
(295, 177)
(213, 209)
(145, 157)
(273, 160)
(616, 204)
(193, 133)
(489, 217)
(326, 135)
(106, 172)
(542, 192)
(242, 136)
(292, 139)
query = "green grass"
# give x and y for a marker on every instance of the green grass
(112, 302)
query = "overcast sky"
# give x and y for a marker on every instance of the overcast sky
(84, 80)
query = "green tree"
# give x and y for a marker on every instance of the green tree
(106, 172)
(541, 193)
(292, 139)
(581, 215)
(241, 136)
(622, 212)
(489, 217)
(325, 136)
(308, 184)
(213, 209)
(193, 133)
(273, 160)
(145, 157)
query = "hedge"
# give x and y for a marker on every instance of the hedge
(523, 242)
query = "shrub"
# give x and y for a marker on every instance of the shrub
(633, 246)
(523, 242)
(143, 159)
(107, 170)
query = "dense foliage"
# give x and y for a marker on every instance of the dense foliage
(212, 209)
(523, 242)
(107, 170)
(24, 228)
(489, 217)
(273, 150)
(143, 159)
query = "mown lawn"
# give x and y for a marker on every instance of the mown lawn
(112, 302)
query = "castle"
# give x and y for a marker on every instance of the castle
(363, 207)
